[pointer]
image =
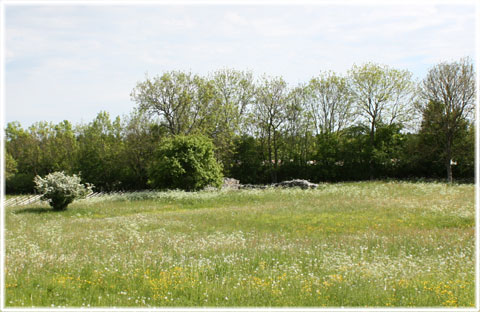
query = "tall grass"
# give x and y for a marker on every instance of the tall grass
(354, 244)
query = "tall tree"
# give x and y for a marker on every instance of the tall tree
(381, 95)
(62, 147)
(269, 115)
(234, 92)
(140, 137)
(100, 145)
(41, 149)
(10, 166)
(21, 146)
(182, 101)
(298, 126)
(330, 103)
(448, 100)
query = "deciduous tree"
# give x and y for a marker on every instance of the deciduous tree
(234, 91)
(269, 114)
(448, 99)
(330, 103)
(381, 95)
(182, 101)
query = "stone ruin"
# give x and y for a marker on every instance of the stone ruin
(304, 184)
(235, 184)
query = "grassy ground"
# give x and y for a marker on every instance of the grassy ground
(355, 244)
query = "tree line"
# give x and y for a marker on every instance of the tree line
(374, 122)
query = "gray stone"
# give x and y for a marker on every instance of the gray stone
(304, 184)
(231, 183)
(235, 184)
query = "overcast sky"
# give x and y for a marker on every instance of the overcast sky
(70, 62)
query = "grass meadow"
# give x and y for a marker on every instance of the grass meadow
(375, 244)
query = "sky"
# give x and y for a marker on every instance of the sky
(69, 62)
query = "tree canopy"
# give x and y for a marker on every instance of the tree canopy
(373, 122)
(448, 101)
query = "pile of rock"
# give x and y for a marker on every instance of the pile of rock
(235, 184)
(253, 186)
(231, 183)
(304, 184)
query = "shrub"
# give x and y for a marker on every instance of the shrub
(20, 183)
(60, 189)
(185, 162)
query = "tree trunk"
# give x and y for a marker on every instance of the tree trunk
(269, 143)
(448, 160)
(449, 172)
(372, 146)
(275, 164)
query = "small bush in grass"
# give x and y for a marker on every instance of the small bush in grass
(60, 189)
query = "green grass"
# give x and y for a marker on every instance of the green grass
(354, 244)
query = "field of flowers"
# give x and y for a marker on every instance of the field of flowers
(354, 245)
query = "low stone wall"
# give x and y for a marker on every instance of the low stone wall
(235, 184)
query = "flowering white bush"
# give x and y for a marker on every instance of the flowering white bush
(60, 189)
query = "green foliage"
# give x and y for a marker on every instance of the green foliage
(330, 102)
(328, 156)
(24, 146)
(387, 153)
(40, 149)
(234, 91)
(448, 101)
(433, 138)
(60, 189)
(99, 155)
(464, 153)
(182, 101)
(10, 166)
(335, 128)
(248, 166)
(185, 162)
(342, 156)
(382, 94)
(269, 115)
(20, 183)
(139, 138)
